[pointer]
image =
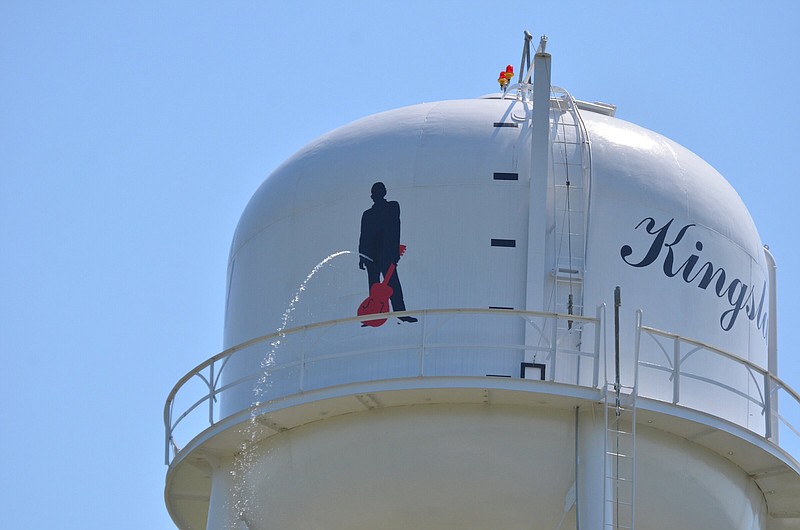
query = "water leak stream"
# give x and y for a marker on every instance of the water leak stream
(243, 504)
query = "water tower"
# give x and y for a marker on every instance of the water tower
(510, 312)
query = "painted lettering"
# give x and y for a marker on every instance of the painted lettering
(738, 295)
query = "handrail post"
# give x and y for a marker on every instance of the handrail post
(767, 406)
(212, 394)
(168, 433)
(636, 352)
(597, 331)
(422, 344)
(554, 354)
(676, 373)
(302, 384)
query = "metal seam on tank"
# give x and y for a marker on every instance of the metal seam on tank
(254, 236)
(736, 243)
(685, 177)
(315, 147)
(667, 143)
(310, 149)
(672, 152)
(418, 145)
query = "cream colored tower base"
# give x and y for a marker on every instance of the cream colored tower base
(490, 461)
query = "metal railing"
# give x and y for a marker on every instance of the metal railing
(479, 342)
(445, 342)
(702, 377)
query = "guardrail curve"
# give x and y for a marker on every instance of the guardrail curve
(444, 342)
(479, 342)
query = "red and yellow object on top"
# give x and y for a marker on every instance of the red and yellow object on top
(505, 76)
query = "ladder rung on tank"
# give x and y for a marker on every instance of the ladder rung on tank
(619, 458)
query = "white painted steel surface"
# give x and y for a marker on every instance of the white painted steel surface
(429, 424)
(651, 198)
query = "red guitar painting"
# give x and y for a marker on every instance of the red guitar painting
(378, 300)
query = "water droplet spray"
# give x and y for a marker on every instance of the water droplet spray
(242, 501)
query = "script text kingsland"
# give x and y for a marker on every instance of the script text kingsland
(741, 296)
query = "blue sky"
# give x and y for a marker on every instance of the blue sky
(133, 134)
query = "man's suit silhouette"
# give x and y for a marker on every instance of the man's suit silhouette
(379, 244)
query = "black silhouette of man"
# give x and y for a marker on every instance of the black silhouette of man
(379, 244)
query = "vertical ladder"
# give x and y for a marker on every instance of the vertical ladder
(620, 457)
(570, 171)
(570, 175)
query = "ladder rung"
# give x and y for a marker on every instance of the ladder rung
(621, 408)
(627, 387)
(624, 436)
(615, 423)
(623, 480)
(622, 503)
(617, 420)
(626, 482)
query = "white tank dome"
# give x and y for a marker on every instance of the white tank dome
(438, 161)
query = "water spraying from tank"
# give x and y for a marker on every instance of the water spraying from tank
(242, 463)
